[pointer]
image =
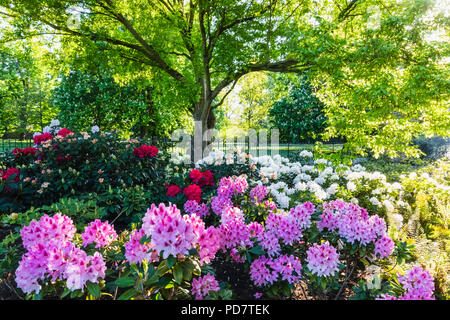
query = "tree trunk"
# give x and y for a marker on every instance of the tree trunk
(204, 123)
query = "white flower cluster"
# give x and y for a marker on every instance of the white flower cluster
(217, 158)
(53, 127)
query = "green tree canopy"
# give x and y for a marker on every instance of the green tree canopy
(85, 99)
(381, 80)
(300, 114)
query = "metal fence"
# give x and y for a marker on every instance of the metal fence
(225, 145)
(7, 145)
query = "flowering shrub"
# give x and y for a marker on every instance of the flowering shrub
(68, 163)
(51, 255)
(202, 286)
(41, 138)
(417, 284)
(282, 221)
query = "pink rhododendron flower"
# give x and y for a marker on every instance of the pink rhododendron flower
(203, 285)
(258, 193)
(135, 252)
(351, 222)
(384, 247)
(288, 267)
(51, 255)
(169, 231)
(417, 282)
(218, 204)
(100, 233)
(262, 272)
(323, 259)
(58, 228)
(209, 242)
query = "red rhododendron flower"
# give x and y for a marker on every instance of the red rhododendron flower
(9, 172)
(193, 192)
(42, 138)
(62, 158)
(195, 175)
(173, 190)
(208, 178)
(28, 150)
(64, 132)
(146, 151)
(205, 178)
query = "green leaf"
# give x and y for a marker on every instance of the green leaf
(93, 289)
(178, 273)
(257, 250)
(124, 282)
(65, 293)
(171, 261)
(127, 295)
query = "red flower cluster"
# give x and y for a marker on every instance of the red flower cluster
(64, 132)
(205, 178)
(23, 152)
(193, 192)
(42, 138)
(9, 172)
(62, 158)
(146, 151)
(173, 190)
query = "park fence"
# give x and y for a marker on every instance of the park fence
(285, 149)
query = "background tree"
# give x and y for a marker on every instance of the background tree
(24, 90)
(382, 82)
(300, 114)
(255, 100)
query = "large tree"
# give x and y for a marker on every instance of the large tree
(198, 49)
(299, 103)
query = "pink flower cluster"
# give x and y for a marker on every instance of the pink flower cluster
(228, 186)
(384, 247)
(264, 271)
(285, 226)
(322, 259)
(417, 282)
(58, 228)
(234, 231)
(135, 252)
(210, 242)
(170, 232)
(100, 233)
(52, 256)
(218, 204)
(193, 207)
(203, 285)
(258, 193)
(352, 222)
